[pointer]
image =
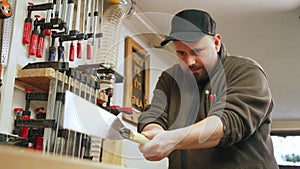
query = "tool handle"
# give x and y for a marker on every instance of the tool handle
(33, 43)
(26, 31)
(47, 32)
(138, 138)
(52, 51)
(61, 53)
(40, 46)
(71, 54)
(79, 53)
(89, 51)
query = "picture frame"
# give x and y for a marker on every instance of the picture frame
(136, 81)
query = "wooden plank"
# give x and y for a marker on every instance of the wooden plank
(113, 152)
(15, 158)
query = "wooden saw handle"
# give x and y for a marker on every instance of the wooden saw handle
(138, 138)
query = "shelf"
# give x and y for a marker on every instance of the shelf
(39, 79)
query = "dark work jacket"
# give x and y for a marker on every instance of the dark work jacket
(238, 93)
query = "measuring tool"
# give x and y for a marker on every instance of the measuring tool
(6, 36)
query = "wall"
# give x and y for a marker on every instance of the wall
(132, 157)
(273, 40)
(14, 96)
(18, 57)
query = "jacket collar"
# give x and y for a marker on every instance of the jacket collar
(222, 55)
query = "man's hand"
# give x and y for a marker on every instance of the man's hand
(161, 144)
(201, 135)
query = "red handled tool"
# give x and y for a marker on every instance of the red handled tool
(25, 130)
(71, 57)
(41, 39)
(79, 50)
(18, 111)
(38, 138)
(28, 21)
(89, 51)
(34, 37)
(27, 25)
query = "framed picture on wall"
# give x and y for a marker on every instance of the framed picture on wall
(136, 82)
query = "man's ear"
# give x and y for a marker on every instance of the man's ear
(217, 42)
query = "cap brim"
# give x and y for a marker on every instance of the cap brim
(183, 36)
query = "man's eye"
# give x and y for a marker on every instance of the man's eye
(181, 53)
(197, 51)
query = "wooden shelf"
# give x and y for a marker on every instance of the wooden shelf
(39, 79)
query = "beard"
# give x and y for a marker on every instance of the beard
(201, 77)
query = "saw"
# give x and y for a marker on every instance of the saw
(85, 117)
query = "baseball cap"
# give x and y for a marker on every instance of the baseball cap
(190, 25)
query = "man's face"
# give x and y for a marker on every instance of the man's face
(199, 57)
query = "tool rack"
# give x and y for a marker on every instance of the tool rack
(50, 80)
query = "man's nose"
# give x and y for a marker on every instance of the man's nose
(189, 60)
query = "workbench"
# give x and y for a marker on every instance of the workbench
(12, 157)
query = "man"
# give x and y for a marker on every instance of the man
(212, 110)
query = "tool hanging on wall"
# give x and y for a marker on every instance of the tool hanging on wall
(74, 16)
(6, 36)
(41, 39)
(28, 21)
(56, 25)
(38, 137)
(34, 36)
(5, 9)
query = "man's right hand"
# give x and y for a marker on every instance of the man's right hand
(159, 146)
(152, 130)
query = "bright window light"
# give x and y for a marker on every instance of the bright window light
(287, 150)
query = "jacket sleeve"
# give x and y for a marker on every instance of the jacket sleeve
(157, 111)
(245, 104)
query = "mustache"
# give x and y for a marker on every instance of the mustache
(196, 67)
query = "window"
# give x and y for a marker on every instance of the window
(287, 149)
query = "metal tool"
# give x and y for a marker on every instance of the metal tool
(6, 37)
(28, 21)
(85, 117)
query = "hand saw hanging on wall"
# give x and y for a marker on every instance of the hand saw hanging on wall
(5, 9)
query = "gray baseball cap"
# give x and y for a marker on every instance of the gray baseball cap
(190, 25)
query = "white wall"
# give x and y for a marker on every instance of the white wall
(132, 156)
(273, 40)
(12, 97)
